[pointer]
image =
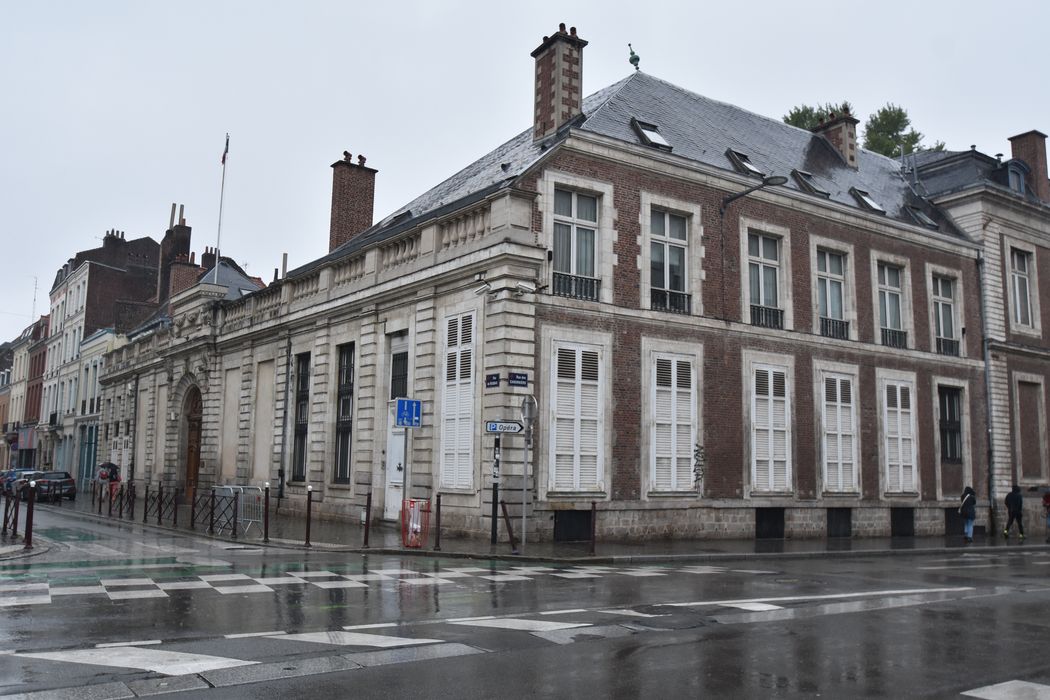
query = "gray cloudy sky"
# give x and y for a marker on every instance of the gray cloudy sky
(112, 110)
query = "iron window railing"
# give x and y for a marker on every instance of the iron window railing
(834, 328)
(767, 316)
(666, 300)
(948, 346)
(894, 338)
(575, 287)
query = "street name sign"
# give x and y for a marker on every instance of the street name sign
(503, 426)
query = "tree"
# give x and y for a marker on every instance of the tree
(885, 131)
(889, 129)
(808, 117)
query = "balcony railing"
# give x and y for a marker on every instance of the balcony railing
(666, 300)
(767, 316)
(834, 328)
(894, 338)
(575, 287)
(948, 346)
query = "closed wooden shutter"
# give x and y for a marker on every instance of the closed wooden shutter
(457, 406)
(900, 439)
(576, 463)
(771, 466)
(839, 434)
(674, 424)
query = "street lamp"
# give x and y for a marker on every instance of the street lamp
(766, 182)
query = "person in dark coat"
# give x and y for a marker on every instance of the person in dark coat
(968, 510)
(1014, 509)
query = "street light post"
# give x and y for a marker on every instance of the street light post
(770, 181)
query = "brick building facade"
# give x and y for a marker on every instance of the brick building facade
(732, 327)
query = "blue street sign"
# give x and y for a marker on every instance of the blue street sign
(409, 413)
(517, 379)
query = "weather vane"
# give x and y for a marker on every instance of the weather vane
(635, 58)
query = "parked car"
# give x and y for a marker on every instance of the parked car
(56, 484)
(18, 486)
(12, 477)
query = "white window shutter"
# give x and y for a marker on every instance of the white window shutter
(663, 429)
(457, 463)
(685, 425)
(839, 457)
(771, 439)
(899, 439)
(578, 421)
(907, 438)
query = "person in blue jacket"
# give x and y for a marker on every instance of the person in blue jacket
(968, 510)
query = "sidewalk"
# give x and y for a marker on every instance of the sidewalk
(288, 530)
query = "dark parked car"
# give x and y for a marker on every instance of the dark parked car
(21, 482)
(56, 485)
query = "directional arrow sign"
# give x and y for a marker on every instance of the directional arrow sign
(503, 426)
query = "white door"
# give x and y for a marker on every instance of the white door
(395, 465)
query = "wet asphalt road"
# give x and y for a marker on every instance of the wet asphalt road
(114, 610)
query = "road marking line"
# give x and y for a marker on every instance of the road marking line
(128, 595)
(754, 607)
(212, 578)
(564, 612)
(358, 639)
(395, 572)
(374, 625)
(1011, 689)
(511, 623)
(312, 574)
(12, 601)
(170, 663)
(114, 582)
(77, 590)
(421, 581)
(629, 613)
(145, 642)
(573, 575)
(499, 578)
(253, 588)
(338, 583)
(830, 596)
(183, 585)
(751, 571)
(455, 620)
(960, 566)
(23, 587)
(278, 580)
(246, 635)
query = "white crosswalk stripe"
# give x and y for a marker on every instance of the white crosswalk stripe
(172, 663)
(1011, 690)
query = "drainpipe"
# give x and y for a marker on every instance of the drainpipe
(986, 344)
(284, 419)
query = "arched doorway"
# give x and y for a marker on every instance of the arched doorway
(193, 411)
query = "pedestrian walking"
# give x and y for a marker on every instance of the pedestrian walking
(1015, 511)
(968, 510)
(1046, 508)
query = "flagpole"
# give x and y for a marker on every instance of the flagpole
(222, 195)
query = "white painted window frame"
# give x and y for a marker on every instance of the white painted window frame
(694, 246)
(821, 371)
(958, 308)
(652, 349)
(883, 377)
(964, 417)
(849, 301)
(1036, 327)
(1016, 379)
(752, 360)
(907, 314)
(785, 294)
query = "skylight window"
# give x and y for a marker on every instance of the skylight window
(650, 134)
(742, 162)
(806, 182)
(866, 201)
(922, 217)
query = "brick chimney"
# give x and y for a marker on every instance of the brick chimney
(559, 81)
(208, 258)
(353, 197)
(1031, 148)
(176, 243)
(841, 131)
(183, 275)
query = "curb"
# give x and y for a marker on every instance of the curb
(575, 560)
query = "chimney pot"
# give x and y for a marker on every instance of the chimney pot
(561, 27)
(1030, 147)
(572, 30)
(361, 159)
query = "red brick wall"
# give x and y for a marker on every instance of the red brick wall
(724, 434)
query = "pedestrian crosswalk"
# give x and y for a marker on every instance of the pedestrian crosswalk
(1010, 690)
(117, 588)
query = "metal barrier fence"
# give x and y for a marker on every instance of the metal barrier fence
(11, 507)
(161, 505)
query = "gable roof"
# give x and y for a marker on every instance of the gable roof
(698, 128)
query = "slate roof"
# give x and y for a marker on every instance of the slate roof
(944, 172)
(697, 127)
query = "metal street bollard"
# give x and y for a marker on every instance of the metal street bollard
(28, 537)
(100, 490)
(175, 508)
(510, 530)
(145, 505)
(7, 507)
(266, 514)
(437, 526)
(160, 501)
(193, 511)
(211, 515)
(120, 502)
(309, 507)
(236, 501)
(368, 516)
(14, 519)
(109, 503)
(594, 525)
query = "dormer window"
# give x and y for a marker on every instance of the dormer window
(921, 217)
(742, 162)
(866, 201)
(650, 134)
(1016, 178)
(808, 184)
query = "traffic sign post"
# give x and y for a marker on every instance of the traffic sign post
(528, 417)
(408, 414)
(495, 491)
